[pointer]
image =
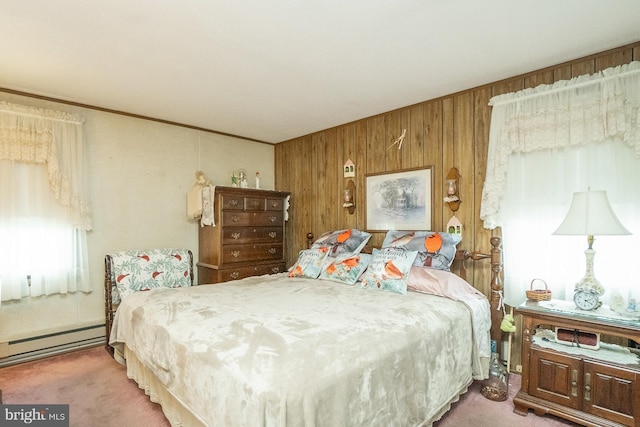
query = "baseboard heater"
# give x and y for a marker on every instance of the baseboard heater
(27, 349)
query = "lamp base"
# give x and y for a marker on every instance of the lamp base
(589, 280)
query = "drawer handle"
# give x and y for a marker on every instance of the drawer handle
(587, 387)
(273, 218)
(235, 236)
(255, 203)
(275, 204)
(235, 218)
(234, 202)
(235, 254)
(275, 270)
(272, 251)
(273, 234)
(235, 275)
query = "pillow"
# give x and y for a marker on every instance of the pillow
(435, 249)
(336, 242)
(142, 270)
(441, 283)
(389, 270)
(309, 263)
(345, 268)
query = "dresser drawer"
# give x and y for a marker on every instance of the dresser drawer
(254, 203)
(251, 252)
(236, 218)
(240, 273)
(274, 204)
(236, 235)
(232, 202)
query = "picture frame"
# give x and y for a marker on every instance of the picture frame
(399, 200)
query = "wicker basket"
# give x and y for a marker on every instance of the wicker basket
(539, 294)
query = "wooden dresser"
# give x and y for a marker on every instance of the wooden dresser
(248, 236)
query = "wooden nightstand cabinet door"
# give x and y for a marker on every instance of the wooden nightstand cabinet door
(556, 378)
(611, 393)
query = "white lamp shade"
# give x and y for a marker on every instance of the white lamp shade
(590, 214)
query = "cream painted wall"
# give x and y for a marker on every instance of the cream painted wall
(140, 171)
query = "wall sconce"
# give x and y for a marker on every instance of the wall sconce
(349, 197)
(451, 189)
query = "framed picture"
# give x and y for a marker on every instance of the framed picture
(399, 200)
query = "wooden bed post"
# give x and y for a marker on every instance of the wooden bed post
(496, 299)
(109, 311)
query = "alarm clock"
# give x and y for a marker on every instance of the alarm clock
(587, 299)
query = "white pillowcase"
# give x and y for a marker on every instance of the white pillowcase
(442, 283)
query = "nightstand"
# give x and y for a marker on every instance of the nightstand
(590, 387)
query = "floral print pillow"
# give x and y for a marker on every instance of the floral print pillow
(142, 270)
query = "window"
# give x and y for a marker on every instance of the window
(539, 192)
(44, 214)
(545, 144)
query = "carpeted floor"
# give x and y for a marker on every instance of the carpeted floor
(99, 394)
(94, 385)
(473, 409)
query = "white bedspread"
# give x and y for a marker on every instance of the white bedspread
(275, 351)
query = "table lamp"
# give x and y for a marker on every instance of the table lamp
(590, 214)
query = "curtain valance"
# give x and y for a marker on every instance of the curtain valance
(54, 138)
(586, 109)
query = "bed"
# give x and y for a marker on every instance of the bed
(280, 350)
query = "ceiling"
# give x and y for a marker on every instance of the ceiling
(278, 69)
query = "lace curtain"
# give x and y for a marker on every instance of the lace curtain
(545, 144)
(586, 109)
(44, 207)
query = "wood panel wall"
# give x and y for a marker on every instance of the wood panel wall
(451, 131)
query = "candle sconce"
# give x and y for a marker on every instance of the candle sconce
(349, 197)
(451, 188)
